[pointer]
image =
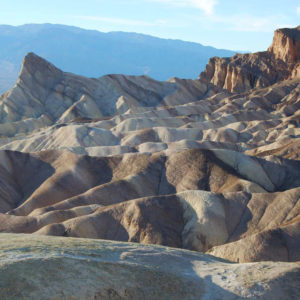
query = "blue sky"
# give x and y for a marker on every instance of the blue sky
(231, 24)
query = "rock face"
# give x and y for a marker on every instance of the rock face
(181, 163)
(247, 71)
(54, 268)
(286, 45)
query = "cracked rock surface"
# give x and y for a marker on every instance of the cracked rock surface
(38, 267)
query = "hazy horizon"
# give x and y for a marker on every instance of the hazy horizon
(94, 53)
(239, 26)
(119, 31)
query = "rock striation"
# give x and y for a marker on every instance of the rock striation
(183, 163)
(243, 72)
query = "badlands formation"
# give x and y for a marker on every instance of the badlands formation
(210, 165)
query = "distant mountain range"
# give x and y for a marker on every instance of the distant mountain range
(92, 53)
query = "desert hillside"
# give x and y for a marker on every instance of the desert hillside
(211, 165)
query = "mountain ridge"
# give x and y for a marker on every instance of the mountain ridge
(93, 53)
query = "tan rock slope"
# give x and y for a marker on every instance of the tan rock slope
(194, 164)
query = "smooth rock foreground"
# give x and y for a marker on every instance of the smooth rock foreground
(48, 268)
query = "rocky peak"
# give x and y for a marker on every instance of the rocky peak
(286, 44)
(243, 72)
(38, 69)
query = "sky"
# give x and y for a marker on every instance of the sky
(241, 25)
